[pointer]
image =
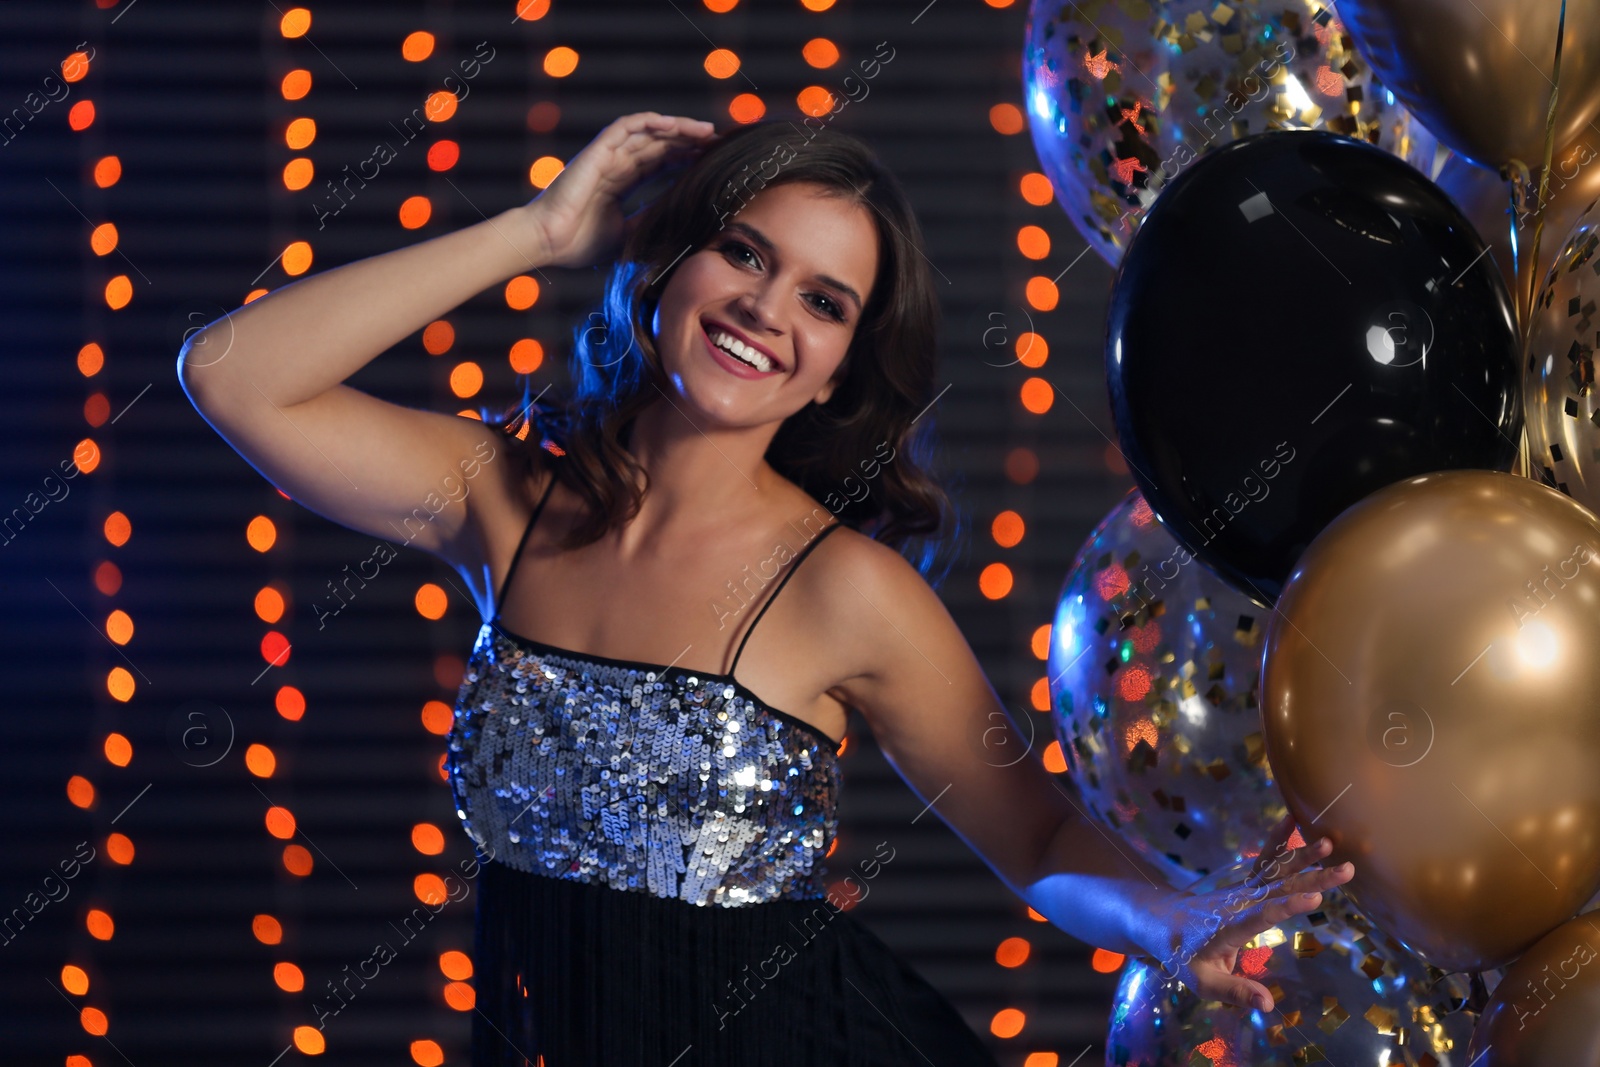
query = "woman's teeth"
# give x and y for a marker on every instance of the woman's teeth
(740, 351)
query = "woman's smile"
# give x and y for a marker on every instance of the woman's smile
(737, 353)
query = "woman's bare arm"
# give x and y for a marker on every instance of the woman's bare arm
(909, 670)
(269, 376)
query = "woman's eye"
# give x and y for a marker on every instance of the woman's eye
(735, 250)
(829, 308)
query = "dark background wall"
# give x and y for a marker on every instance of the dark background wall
(186, 95)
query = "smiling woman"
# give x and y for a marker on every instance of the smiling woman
(656, 806)
(867, 340)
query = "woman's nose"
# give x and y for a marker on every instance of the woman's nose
(758, 308)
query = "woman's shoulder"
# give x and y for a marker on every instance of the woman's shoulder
(518, 472)
(849, 557)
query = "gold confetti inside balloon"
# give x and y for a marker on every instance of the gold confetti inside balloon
(1561, 409)
(1343, 994)
(1431, 699)
(1546, 1009)
(1122, 95)
(1485, 198)
(1153, 667)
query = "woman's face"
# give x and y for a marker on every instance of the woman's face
(782, 285)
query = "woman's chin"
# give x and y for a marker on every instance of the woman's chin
(724, 405)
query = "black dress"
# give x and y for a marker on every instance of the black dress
(652, 892)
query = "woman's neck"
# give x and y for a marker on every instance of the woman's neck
(697, 476)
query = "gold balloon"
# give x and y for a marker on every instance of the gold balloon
(1546, 1009)
(1478, 74)
(1431, 702)
(1484, 197)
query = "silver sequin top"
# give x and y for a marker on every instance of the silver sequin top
(639, 777)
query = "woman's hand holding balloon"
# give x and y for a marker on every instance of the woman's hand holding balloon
(1203, 933)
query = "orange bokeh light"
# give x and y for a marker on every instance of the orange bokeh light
(560, 61)
(80, 791)
(1036, 189)
(417, 46)
(119, 847)
(1037, 396)
(295, 22)
(820, 52)
(995, 581)
(1007, 1022)
(295, 85)
(527, 356)
(266, 929)
(1007, 529)
(415, 211)
(746, 108)
(290, 703)
(118, 749)
(1033, 242)
(260, 761)
(522, 292)
(75, 979)
(1006, 118)
(815, 101)
(431, 600)
(289, 978)
(429, 888)
(1013, 952)
(297, 860)
(722, 63)
(427, 839)
(437, 717)
(1105, 961)
(280, 822)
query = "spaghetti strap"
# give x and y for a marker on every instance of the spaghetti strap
(815, 541)
(516, 557)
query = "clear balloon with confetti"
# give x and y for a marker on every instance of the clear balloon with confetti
(1122, 95)
(1343, 993)
(1154, 664)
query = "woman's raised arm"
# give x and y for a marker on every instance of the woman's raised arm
(269, 376)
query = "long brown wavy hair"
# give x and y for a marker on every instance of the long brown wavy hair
(865, 454)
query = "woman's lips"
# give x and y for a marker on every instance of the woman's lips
(734, 366)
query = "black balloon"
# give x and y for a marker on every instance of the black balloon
(1301, 320)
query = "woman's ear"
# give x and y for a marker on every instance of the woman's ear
(833, 383)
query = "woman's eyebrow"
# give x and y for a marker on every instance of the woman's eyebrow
(766, 244)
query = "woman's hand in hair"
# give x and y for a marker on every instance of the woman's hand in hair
(578, 218)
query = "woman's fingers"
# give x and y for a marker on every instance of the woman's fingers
(647, 126)
(1317, 880)
(1275, 849)
(1217, 984)
(1272, 867)
(1265, 915)
(1297, 861)
(643, 133)
(641, 154)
